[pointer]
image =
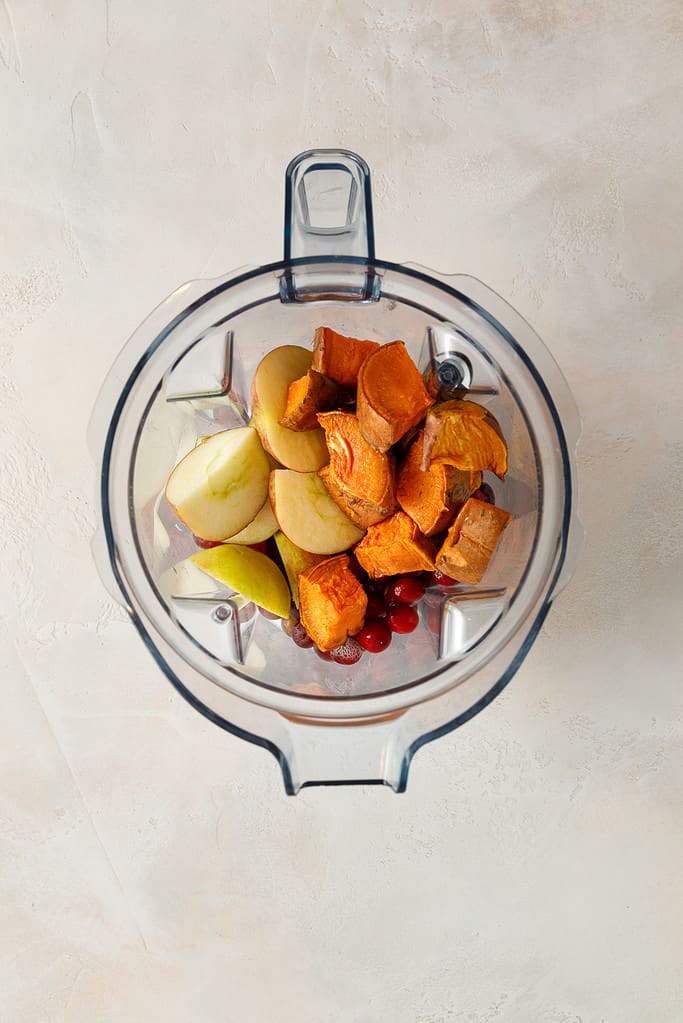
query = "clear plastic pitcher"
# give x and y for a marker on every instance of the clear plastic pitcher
(186, 374)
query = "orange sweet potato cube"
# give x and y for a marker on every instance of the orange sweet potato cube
(432, 496)
(306, 397)
(395, 546)
(339, 357)
(358, 478)
(471, 540)
(332, 602)
(465, 435)
(391, 396)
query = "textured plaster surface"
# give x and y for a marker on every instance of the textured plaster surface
(151, 867)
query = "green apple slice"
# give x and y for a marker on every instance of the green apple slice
(254, 575)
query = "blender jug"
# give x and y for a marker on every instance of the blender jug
(186, 373)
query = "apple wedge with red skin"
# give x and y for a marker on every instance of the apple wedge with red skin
(307, 515)
(221, 484)
(304, 451)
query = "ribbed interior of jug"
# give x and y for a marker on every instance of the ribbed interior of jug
(194, 379)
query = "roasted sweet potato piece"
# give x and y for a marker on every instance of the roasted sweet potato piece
(391, 396)
(395, 546)
(332, 602)
(465, 435)
(340, 357)
(306, 397)
(431, 497)
(358, 478)
(471, 540)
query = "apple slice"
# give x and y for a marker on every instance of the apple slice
(307, 515)
(305, 450)
(295, 560)
(220, 486)
(261, 527)
(254, 575)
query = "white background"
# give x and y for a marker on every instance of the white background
(152, 868)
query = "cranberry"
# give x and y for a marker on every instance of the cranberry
(402, 618)
(348, 653)
(407, 589)
(441, 579)
(324, 655)
(376, 607)
(206, 544)
(300, 636)
(485, 493)
(375, 636)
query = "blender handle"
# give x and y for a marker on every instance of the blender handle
(328, 217)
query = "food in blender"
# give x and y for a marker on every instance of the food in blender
(246, 571)
(359, 478)
(306, 396)
(374, 494)
(308, 515)
(471, 540)
(395, 546)
(339, 357)
(391, 395)
(220, 485)
(261, 527)
(302, 451)
(430, 496)
(332, 602)
(465, 435)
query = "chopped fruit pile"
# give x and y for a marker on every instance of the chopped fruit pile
(350, 494)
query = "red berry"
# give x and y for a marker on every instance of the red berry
(441, 579)
(407, 589)
(348, 653)
(376, 607)
(206, 543)
(300, 636)
(402, 618)
(261, 547)
(375, 636)
(324, 655)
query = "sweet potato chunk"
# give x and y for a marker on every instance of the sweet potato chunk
(395, 546)
(306, 397)
(339, 357)
(431, 497)
(391, 395)
(358, 478)
(465, 435)
(472, 540)
(332, 602)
